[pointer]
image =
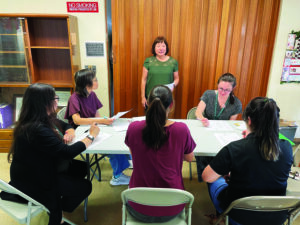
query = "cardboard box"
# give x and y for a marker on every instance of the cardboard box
(6, 115)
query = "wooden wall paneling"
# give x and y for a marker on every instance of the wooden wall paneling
(207, 38)
(141, 53)
(116, 54)
(134, 81)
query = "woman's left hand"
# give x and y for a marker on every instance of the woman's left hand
(69, 136)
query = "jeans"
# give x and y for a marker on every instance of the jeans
(118, 163)
(214, 190)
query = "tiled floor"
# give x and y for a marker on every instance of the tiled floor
(105, 207)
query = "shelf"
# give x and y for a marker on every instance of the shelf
(48, 47)
(14, 52)
(13, 84)
(55, 83)
(13, 66)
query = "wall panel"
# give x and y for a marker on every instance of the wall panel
(208, 38)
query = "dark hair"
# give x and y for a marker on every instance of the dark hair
(264, 115)
(84, 78)
(228, 77)
(160, 39)
(38, 101)
(159, 100)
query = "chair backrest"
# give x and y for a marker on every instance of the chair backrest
(157, 197)
(191, 114)
(265, 204)
(61, 114)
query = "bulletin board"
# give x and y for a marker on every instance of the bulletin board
(291, 63)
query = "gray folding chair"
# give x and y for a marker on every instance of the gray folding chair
(158, 197)
(61, 114)
(270, 204)
(191, 116)
(22, 213)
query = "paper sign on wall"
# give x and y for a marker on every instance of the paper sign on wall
(80, 7)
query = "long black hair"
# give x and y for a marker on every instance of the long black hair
(264, 115)
(84, 78)
(159, 100)
(228, 77)
(37, 109)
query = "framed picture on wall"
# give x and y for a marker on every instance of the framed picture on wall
(18, 99)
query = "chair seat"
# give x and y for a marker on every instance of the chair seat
(178, 220)
(19, 211)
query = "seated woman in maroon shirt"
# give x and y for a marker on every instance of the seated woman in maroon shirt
(158, 147)
(83, 108)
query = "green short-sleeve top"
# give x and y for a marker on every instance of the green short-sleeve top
(159, 72)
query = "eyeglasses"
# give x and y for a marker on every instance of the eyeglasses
(56, 99)
(224, 90)
(95, 80)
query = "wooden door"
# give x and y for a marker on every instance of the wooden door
(207, 37)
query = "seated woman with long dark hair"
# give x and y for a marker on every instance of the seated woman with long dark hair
(40, 155)
(158, 147)
(258, 164)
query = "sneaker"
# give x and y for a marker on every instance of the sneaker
(121, 180)
(130, 164)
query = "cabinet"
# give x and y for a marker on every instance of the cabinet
(35, 48)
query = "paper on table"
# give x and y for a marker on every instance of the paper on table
(241, 125)
(100, 138)
(120, 125)
(219, 125)
(119, 114)
(139, 118)
(226, 138)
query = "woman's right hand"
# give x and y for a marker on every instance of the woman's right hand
(144, 102)
(94, 130)
(205, 122)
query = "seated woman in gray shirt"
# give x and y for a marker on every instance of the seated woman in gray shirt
(220, 104)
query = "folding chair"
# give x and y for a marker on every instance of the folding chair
(191, 116)
(270, 204)
(158, 197)
(19, 211)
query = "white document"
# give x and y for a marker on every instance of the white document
(241, 125)
(226, 138)
(120, 125)
(219, 125)
(119, 114)
(139, 118)
(170, 86)
(100, 138)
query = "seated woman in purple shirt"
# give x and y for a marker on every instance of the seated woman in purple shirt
(158, 147)
(83, 108)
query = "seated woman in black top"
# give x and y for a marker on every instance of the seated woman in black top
(39, 150)
(258, 164)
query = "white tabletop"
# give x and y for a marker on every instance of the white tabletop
(209, 140)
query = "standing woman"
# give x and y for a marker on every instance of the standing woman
(158, 69)
(158, 147)
(83, 108)
(37, 149)
(258, 164)
(220, 104)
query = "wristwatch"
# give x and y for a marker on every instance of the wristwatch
(90, 137)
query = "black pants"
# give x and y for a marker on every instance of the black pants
(73, 188)
(202, 162)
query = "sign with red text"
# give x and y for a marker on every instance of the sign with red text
(83, 7)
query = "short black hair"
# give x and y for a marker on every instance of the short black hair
(160, 39)
(84, 78)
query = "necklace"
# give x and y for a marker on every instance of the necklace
(216, 117)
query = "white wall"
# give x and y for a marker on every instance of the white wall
(286, 95)
(91, 27)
